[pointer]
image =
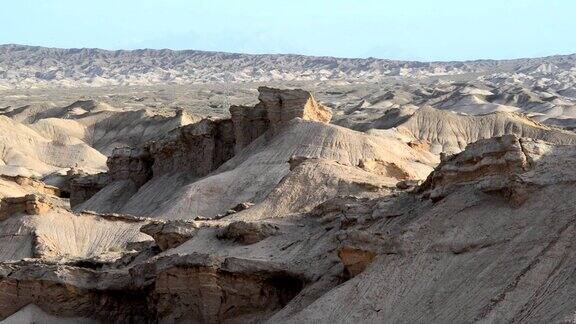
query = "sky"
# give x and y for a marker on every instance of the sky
(424, 30)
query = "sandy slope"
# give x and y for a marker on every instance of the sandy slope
(25, 151)
(450, 132)
(61, 234)
(38, 140)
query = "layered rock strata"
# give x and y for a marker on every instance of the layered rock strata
(200, 148)
(82, 187)
(192, 288)
(275, 109)
(29, 204)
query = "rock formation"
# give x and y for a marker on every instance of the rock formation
(275, 109)
(82, 187)
(29, 204)
(248, 233)
(472, 240)
(274, 215)
(170, 234)
(197, 148)
(493, 164)
(450, 133)
(202, 147)
(132, 164)
(375, 246)
(355, 260)
(442, 192)
(33, 183)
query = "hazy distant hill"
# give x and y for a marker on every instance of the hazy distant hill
(33, 66)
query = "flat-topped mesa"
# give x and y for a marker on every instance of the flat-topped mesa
(285, 105)
(275, 109)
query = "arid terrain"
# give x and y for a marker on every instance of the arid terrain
(158, 186)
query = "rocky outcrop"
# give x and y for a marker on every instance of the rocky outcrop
(29, 204)
(170, 234)
(408, 184)
(202, 147)
(355, 260)
(247, 232)
(493, 165)
(242, 206)
(130, 164)
(275, 109)
(70, 291)
(196, 148)
(420, 145)
(33, 183)
(383, 168)
(82, 187)
(125, 164)
(511, 256)
(192, 288)
(249, 124)
(211, 290)
(508, 166)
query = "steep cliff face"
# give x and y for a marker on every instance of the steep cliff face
(202, 147)
(33, 197)
(275, 109)
(190, 289)
(206, 145)
(29, 204)
(282, 106)
(130, 164)
(494, 164)
(199, 148)
(196, 148)
(82, 187)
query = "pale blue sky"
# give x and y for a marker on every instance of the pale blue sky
(405, 29)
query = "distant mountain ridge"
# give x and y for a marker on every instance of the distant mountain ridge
(34, 66)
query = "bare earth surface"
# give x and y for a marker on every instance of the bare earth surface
(196, 187)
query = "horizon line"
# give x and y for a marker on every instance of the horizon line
(287, 54)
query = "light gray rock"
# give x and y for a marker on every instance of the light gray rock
(170, 234)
